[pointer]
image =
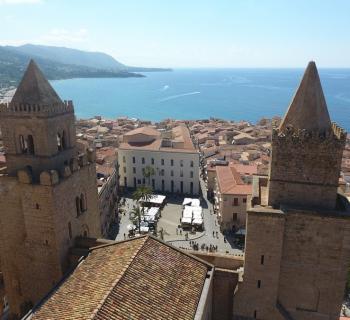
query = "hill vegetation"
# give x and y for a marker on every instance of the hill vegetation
(61, 63)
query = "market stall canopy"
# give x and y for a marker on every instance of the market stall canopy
(156, 199)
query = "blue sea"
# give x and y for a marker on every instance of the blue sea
(233, 94)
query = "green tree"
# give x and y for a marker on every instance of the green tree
(145, 194)
(147, 173)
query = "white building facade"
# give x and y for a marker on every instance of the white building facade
(176, 170)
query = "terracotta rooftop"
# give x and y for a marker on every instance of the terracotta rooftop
(35, 89)
(308, 109)
(245, 169)
(180, 134)
(230, 182)
(142, 278)
(143, 130)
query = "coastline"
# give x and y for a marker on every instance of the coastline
(6, 94)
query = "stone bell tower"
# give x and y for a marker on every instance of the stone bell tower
(298, 226)
(48, 193)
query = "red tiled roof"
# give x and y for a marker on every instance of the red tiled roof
(245, 169)
(142, 278)
(230, 182)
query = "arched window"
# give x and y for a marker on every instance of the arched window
(59, 142)
(85, 230)
(77, 204)
(82, 202)
(30, 144)
(23, 144)
(64, 140)
(70, 230)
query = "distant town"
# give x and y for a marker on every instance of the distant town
(218, 213)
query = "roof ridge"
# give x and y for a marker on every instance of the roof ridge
(115, 283)
(181, 251)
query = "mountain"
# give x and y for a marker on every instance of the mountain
(64, 55)
(13, 63)
(62, 63)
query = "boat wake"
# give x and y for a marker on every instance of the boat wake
(179, 96)
(166, 87)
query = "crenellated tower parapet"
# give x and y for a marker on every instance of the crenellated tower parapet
(305, 164)
(334, 137)
(37, 110)
(55, 176)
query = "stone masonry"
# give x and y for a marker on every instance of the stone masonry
(48, 195)
(298, 227)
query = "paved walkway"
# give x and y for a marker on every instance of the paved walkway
(212, 234)
(170, 221)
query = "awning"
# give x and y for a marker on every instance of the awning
(156, 199)
(186, 201)
(197, 221)
(186, 220)
(187, 212)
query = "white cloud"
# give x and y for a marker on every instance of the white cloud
(20, 2)
(62, 36)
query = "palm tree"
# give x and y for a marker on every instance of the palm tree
(142, 193)
(148, 172)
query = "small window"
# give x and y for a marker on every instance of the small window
(124, 169)
(124, 159)
(23, 144)
(259, 284)
(83, 203)
(191, 163)
(133, 160)
(143, 181)
(191, 174)
(77, 204)
(172, 162)
(30, 144)
(139, 181)
(262, 259)
(162, 162)
(235, 201)
(59, 142)
(143, 160)
(181, 163)
(172, 173)
(64, 140)
(70, 230)
(133, 170)
(181, 173)
(37, 207)
(152, 161)
(255, 314)
(244, 200)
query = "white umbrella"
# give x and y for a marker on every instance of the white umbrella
(130, 227)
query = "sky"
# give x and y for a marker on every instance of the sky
(188, 33)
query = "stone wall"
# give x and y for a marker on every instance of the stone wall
(314, 265)
(44, 132)
(297, 260)
(223, 261)
(304, 163)
(225, 282)
(257, 295)
(38, 225)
